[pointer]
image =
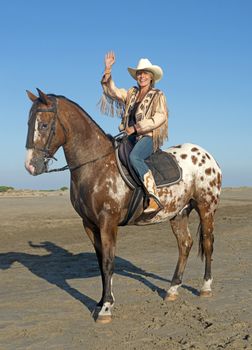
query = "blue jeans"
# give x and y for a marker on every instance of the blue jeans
(141, 150)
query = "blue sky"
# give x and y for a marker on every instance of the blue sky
(204, 48)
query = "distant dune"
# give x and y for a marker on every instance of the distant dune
(33, 193)
(228, 193)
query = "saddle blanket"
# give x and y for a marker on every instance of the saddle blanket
(164, 168)
(163, 165)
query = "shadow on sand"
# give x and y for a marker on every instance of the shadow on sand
(60, 265)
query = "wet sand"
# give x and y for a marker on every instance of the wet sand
(50, 282)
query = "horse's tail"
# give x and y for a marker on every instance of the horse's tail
(200, 237)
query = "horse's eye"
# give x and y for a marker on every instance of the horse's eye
(42, 126)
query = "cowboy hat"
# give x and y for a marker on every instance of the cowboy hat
(145, 64)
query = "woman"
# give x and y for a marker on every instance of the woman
(144, 117)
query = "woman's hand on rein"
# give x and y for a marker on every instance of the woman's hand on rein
(130, 130)
(109, 59)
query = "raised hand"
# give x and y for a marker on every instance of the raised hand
(109, 59)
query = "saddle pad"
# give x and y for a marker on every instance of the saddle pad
(165, 168)
(163, 165)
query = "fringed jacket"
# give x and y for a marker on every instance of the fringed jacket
(151, 114)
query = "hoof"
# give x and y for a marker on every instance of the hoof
(103, 319)
(206, 293)
(103, 314)
(171, 297)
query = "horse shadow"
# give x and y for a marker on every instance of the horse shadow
(60, 265)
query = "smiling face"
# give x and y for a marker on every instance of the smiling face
(144, 78)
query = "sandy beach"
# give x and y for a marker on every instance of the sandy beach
(50, 280)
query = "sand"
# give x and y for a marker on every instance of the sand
(50, 282)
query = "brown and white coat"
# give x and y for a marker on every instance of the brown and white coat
(151, 114)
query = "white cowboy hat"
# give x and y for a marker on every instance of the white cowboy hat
(145, 64)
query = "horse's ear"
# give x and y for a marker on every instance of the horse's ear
(31, 96)
(43, 97)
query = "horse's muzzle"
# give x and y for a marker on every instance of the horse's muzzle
(36, 165)
(40, 165)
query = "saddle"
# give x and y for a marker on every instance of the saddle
(163, 166)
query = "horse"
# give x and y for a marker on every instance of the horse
(101, 197)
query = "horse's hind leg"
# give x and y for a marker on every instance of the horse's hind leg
(206, 240)
(181, 231)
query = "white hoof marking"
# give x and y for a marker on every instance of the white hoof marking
(207, 285)
(106, 309)
(173, 290)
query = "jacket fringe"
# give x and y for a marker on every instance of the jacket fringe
(111, 107)
(160, 135)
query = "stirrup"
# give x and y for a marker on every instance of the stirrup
(154, 206)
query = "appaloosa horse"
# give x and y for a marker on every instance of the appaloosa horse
(101, 197)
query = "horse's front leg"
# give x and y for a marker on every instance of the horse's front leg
(108, 235)
(104, 241)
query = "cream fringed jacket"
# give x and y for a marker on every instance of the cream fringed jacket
(151, 114)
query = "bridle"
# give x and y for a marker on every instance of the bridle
(46, 149)
(30, 137)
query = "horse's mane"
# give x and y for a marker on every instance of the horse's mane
(83, 110)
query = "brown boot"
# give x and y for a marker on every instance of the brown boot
(152, 207)
(154, 203)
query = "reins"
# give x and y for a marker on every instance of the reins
(67, 167)
(46, 148)
(120, 136)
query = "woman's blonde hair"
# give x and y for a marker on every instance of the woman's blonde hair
(152, 84)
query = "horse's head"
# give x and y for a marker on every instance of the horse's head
(45, 133)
